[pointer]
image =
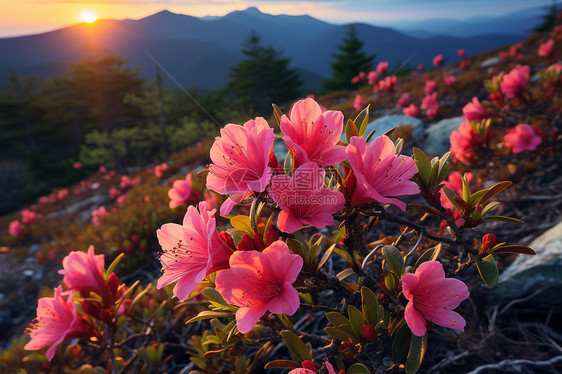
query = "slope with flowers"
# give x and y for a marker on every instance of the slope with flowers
(357, 271)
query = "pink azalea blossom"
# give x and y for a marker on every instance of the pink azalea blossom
(43, 200)
(449, 80)
(430, 104)
(312, 135)
(382, 67)
(191, 251)
(114, 192)
(466, 143)
(83, 272)
(514, 49)
(412, 111)
(438, 61)
(15, 228)
(429, 87)
(240, 161)
(304, 200)
(515, 82)
(522, 138)
(379, 172)
(57, 320)
(180, 192)
(464, 64)
(62, 194)
(432, 297)
(29, 216)
(121, 199)
(97, 214)
(373, 78)
(404, 100)
(475, 112)
(261, 281)
(362, 75)
(460, 53)
(454, 183)
(387, 84)
(358, 103)
(127, 182)
(305, 370)
(420, 67)
(160, 169)
(546, 48)
(77, 165)
(355, 79)
(102, 169)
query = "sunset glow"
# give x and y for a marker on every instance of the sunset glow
(87, 16)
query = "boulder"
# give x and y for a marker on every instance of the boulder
(490, 62)
(528, 274)
(437, 135)
(383, 124)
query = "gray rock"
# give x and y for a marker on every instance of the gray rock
(33, 249)
(280, 150)
(490, 62)
(455, 71)
(94, 200)
(528, 274)
(437, 135)
(383, 124)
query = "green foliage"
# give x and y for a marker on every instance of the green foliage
(263, 77)
(350, 60)
(548, 19)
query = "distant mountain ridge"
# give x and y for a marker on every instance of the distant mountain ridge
(200, 51)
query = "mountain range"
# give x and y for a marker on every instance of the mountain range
(198, 52)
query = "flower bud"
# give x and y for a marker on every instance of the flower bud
(488, 241)
(368, 332)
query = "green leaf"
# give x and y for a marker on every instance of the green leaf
(476, 197)
(465, 190)
(243, 224)
(494, 190)
(433, 173)
(288, 164)
(336, 319)
(208, 314)
(363, 120)
(423, 164)
(299, 350)
(394, 259)
(389, 281)
(450, 194)
(430, 255)
(297, 248)
(443, 167)
(489, 207)
(113, 265)
(350, 130)
(371, 134)
(356, 319)
(278, 114)
(503, 219)
(326, 256)
(418, 346)
(358, 369)
(522, 249)
(345, 273)
(338, 334)
(282, 364)
(370, 306)
(488, 270)
(401, 343)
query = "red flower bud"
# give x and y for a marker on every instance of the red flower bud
(488, 241)
(368, 332)
(307, 364)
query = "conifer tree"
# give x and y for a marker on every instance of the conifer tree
(348, 62)
(263, 77)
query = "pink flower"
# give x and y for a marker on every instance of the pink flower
(361, 75)
(429, 87)
(127, 183)
(191, 251)
(114, 192)
(62, 194)
(454, 183)
(546, 48)
(240, 157)
(305, 370)
(449, 80)
(83, 272)
(312, 136)
(160, 169)
(381, 67)
(261, 281)
(420, 67)
(180, 191)
(430, 104)
(404, 100)
(464, 64)
(522, 138)
(412, 111)
(514, 49)
(475, 112)
(460, 53)
(121, 199)
(304, 200)
(102, 169)
(77, 165)
(29, 216)
(433, 297)
(43, 200)
(373, 78)
(57, 320)
(380, 172)
(15, 228)
(515, 82)
(97, 214)
(387, 84)
(355, 79)
(438, 61)
(358, 103)
(465, 143)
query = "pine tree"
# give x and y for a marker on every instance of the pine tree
(348, 62)
(263, 77)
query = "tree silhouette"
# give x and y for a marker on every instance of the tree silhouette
(263, 77)
(348, 62)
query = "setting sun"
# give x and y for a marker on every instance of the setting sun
(87, 16)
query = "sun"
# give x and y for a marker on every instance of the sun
(87, 16)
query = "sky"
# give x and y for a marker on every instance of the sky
(21, 17)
